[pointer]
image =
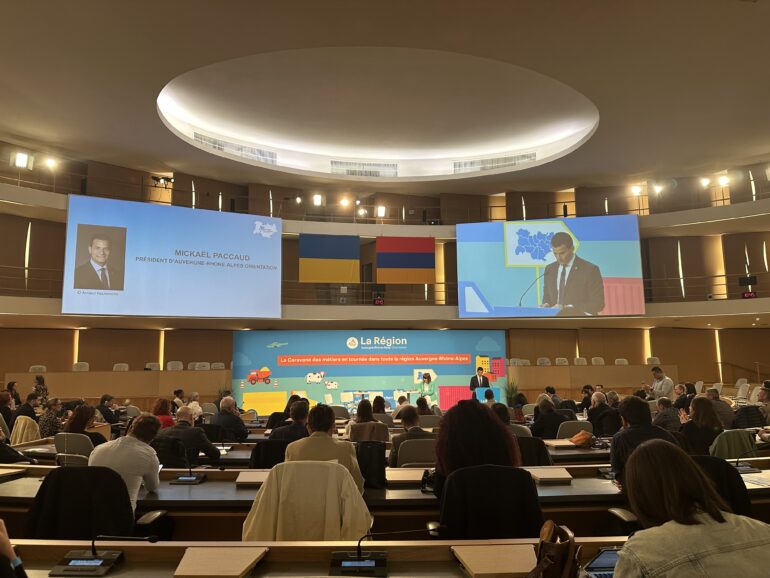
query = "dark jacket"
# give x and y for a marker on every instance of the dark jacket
(7, 572)
(668, 419)
(595, 415)
(724, 413)
(290, 433)
(233, 428)
(107, 413)
(194, 441)
(683, 402)
(277, 419)
(414, 433)
(7, 414)
(87, 278)
(699, 439)
(475, 382)
(584, 288)
(547, 425)
(23, 409)
(627, 440)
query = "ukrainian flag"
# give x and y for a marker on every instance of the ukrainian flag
(406, 260)
(329, 259)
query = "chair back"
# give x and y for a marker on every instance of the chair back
(201, 366)
(171, 451)
(133, 411)
(529, 409)
(698, 387)
(120, 367)
(567, 429)
(81, 366)
(213, 431)
(517, 516)
(79, 503)
(597, 361)
(430, 420)
(520, 431)
(718, 387)
(533, 452)
(568, 413)
(742, 387)
(218, 365)
(621, 361)
(332, 508)
(524, 362)
(419, 451)
(543, 361)
(728, 482)
(734, 444)
(653, 361)
(370, 431)
(73, 443)
(340, 412)
(174, 366)
(581, 361)
(209, 407)
(65, 460)
(384, 418)
(372, 463)
(749, 416)
(268, 453)
(754, 397)
(4, 427)
(152, 366)
(25, 429)
(37, 369)
(561, 361)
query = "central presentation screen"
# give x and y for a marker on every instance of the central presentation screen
(126, 258)
(567, 267)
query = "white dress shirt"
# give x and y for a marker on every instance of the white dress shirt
(134, 460)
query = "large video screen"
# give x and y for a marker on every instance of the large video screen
(578, 267)
(344, 367)
(126, 258)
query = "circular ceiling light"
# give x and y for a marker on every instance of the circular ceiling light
(374, 113)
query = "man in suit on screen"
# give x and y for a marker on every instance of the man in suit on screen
(97, 273)
(570, 283)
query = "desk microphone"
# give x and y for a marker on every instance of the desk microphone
(530, 287)
(750, 469)
(151, 539)
(191, 478)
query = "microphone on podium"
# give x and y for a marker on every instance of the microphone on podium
(530, 287)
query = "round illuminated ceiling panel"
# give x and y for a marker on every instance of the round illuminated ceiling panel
(373, 113)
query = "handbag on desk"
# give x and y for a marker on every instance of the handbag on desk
(557, 554)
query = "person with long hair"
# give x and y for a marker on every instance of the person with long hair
(471, 435)
(547, 420)
(422, 406)
(703, 426)
(40, 388)
(162, 410)
(378, 404)
(15, 397)
(677, 504)
(5, 407)
(81, 419)
(364, 428)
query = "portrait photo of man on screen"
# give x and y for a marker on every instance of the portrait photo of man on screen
(570, 283)
(100, 256)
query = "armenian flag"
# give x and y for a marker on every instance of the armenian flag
(329, 259)
(406, 260)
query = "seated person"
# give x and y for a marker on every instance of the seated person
(598, 408)
(378, 404)
(551, 391)
(229, 419)
(586, 392)
(547, 422)
(50, 423)
(108, 409)
(193, 438)
(162, 410)
(613, 399)
(520, 400)
(763, 397)
(26, 409)
(364, 428)
(179, 401)
(489, 397)
(702, 427)
(637, 428)
(132, 457)
(15, 397)
(724, 411)
(402, 403)
(297, 429)
(678, 505)
(472, 435)
(422, 406)
(682, 398)
(82, 418)
(280, 418)
(195, 406)
(667, 416)
(410, 420)
(5, 407)
(321, 446)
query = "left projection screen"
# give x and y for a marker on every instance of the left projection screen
(127, 258)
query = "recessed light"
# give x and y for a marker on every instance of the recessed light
(298, 199)
(381, 211)
(658, 189)
(704, 182)
(724, 180)
(636, 190)
(21, 160)
(50, 163)
(344, 201)
(317, 200)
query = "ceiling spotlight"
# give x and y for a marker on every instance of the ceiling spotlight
(704, 182)
(753, 324)
(21, 160)
(381, 211)
(50, 163)
(709, 324)
(636, 190)
(724, 180)
(362, 212)
(299, 200)
(344, 201)
(358, 202)
(757, 319)
(317, 200)
(658, 189)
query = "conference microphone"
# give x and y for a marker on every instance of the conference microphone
(750, 469)
(190, 479)
(93, 563)
(530, 287)
(151, 539)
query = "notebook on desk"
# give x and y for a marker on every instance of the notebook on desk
(550, 475)
(251, 478)
(214, 562)
(505, 561)
(559, 444)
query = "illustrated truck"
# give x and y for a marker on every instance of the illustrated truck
(259, 375)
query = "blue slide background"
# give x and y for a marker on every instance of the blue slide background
(174, 289)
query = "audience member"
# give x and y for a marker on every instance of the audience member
(489, 397)
(229, 419)
(108, 409)
(297, 429)
(682, 400)
(410, 420)
(321, 446)
(41, 389)
(222, 394)
(667, 416)
(422, 406)
(82, 418)
(662, 386)
(702, 428)
(547, 421)
(598, 408)
(364, 428)
(378, 404)
(637, 428)
(723, 409)
(132, 457)
(519, 400)
(5, 407)
(763, 397)
(471, 435)
(613, 399)
(26, 409)
(193, 438)
(178, 400)
(162, 410)
(551, 391)
(402, 403)
(195, 406)
(585, 402)
(281, 418)
(50, 423)
(15, 398)
(679, 505)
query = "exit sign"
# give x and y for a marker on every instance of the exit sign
(749, 294)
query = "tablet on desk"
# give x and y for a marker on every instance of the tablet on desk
(603, 564)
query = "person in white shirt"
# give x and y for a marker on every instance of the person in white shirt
(132, 457)
(662, 386)
(195, 406)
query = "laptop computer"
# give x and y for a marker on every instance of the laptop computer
(603, 564)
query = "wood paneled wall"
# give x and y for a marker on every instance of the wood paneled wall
(188, 345)
(735, 247)
(234, 197)
(539, 205)
(102, 348)
(741, 349)
(612, 344)
(22, 348)
(533, 343)
(692, 350)
(702, 268)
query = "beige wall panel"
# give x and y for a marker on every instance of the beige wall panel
(102, 348)
(693, 351)
(612, 344)
(741, 349)
(533, 343)
(735, 248)
(188, 345)
(20, 348)
(106, 180)
(207, 193)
